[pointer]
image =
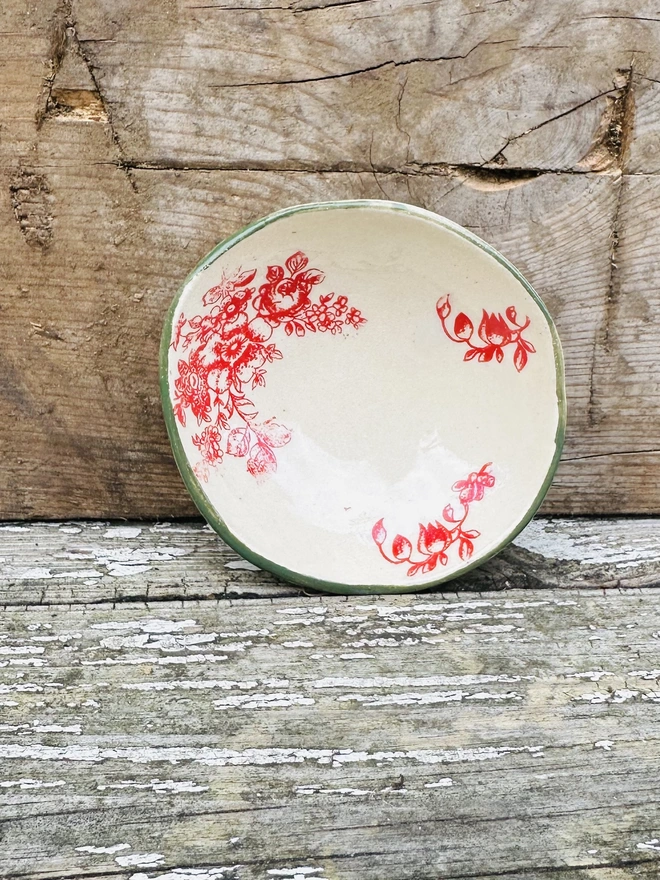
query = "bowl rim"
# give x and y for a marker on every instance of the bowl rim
(193, 485)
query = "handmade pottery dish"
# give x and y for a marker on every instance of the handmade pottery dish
(362, 397)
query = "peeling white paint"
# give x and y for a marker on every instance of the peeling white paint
(421, 682)
(123, 532)
(202, 684)
(253, 757)
(165, 786)
(31, 783)
(445, 782)
(653, 844)
(141, 659)
(294, 873)
(263, 701)
(605, 744)
(647, 675)
(140, 860)
(147, 624)
(21, 649)
(593, 675)
(423, 699)
(28, 574)
(588, 545)
(120, 569)
(57, 728)
(221, 873)
(103, 850)
(623, 695)
(160, 642)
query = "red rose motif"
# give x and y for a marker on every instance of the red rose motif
(283, 297)
(230, 350)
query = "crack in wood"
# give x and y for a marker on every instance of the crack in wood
(296, 10)
(360, 71)
(616, 142)
(612, 453)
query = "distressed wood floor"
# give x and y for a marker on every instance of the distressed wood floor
(169, 713)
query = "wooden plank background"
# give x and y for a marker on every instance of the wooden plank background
(169, 713)
(133, 137)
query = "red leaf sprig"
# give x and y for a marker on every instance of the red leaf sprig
(495, 332)
(436, 538)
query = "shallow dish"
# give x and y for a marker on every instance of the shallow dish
(362, 397)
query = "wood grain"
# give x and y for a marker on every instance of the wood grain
(412, 737)
(133, 143)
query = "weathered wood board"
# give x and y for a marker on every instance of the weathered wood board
(132, 142)
(82, 563)
(168, 712)
(437, 736)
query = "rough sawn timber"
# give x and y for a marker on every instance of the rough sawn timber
(131, 143)
(437, 736)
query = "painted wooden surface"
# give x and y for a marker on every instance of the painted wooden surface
(133, 141)
(79, 563)
(169, 713)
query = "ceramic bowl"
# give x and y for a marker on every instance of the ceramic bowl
(362, 397)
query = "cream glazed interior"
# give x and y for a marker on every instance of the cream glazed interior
(362, 396)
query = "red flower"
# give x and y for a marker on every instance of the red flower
(192, 391)
(208, 443)
(283, 297)
(494, 329)
(234, 306)
(472, 488)
(354, 318)
(341, 305)
(324, 317)
(231, 347)
(435, 538)
(237, 348)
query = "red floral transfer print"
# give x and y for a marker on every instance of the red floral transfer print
(228, 349)
(494, 331)
(435, 538)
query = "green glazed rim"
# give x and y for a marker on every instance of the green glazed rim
(193, 485)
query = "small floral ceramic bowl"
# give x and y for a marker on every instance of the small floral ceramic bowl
(362, 397)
